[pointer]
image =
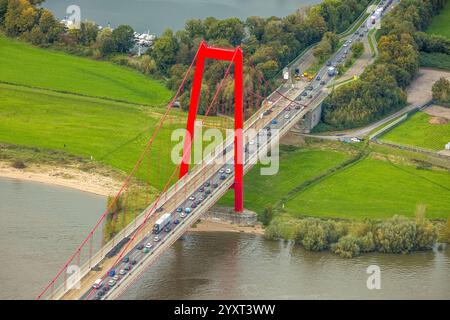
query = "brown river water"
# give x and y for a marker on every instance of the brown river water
(41, 225)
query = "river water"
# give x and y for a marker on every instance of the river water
(41, 225)
(157, 15)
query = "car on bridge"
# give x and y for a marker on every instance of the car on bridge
(97, 284)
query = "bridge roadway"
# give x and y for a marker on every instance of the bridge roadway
(210, 175)
(211, 171)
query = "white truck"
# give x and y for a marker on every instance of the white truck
(161, 223)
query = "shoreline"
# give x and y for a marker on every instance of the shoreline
(101, 185)
(71, 178)
(210, 225)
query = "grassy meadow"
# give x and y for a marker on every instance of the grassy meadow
(296, 167)
(374, 188)
(21, 63)
(113, 133)
(418, 132)
(441, 23)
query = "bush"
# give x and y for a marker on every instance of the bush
(282, 229)
(318, 235)
(396, 235)
(426, 235)
(267, 216)
(348, 246)
(18, 164)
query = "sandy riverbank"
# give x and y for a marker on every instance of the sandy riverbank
(64, 177)
(100, 185)
(220, 226)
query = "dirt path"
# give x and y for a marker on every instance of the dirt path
(438, 111)
(420, 89)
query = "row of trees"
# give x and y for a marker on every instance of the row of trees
(380, 89)
(268, 43)
(352, 238)
(24, 19)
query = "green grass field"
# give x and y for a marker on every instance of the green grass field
(114, 133)
(295, 167)
(441, 23)
(24, 64)
(418, 132)
(375, 189)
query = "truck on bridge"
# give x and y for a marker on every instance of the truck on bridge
(162, 222)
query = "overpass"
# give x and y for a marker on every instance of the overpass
(135, 248)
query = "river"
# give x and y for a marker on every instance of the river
(41, 225)
(157, 15)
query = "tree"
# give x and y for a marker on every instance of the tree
(20, 17)
(164, 51)
(3, 8)
(441, 91)
(88, 33)
(47, 30)
(122, 38)
(326, 46)
(104, 43)
(357, 49)
(268, 68)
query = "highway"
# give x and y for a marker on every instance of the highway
(201, 188)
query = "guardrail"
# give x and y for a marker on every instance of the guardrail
(204, 206)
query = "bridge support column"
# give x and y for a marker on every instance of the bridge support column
(234, 56)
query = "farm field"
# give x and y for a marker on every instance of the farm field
(295, 168)
(377, 189)
(26, 65)
(418, 132)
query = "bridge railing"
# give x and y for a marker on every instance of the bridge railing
(100, 255)
(210, 201)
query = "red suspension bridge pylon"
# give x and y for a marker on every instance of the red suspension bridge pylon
(234, 56)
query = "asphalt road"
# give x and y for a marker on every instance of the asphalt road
(271, 124)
